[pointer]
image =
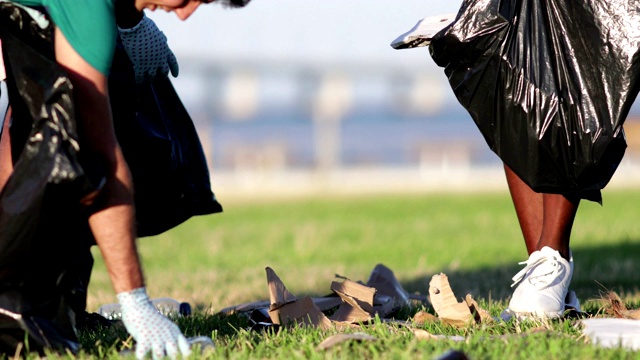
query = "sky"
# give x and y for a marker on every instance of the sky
(306, 30)
(301, 31)
(323, 31)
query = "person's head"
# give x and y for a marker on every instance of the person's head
(184, 8)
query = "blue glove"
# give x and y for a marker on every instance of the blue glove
(152, 331)
(148, 50)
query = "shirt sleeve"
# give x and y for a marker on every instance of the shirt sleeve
(90, 28)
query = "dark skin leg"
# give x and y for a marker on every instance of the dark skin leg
(545, 219)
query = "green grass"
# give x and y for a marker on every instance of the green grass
(218, 261)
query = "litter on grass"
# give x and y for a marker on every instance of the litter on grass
(354, 304)
(612, 332)
(331, 341)
(621, 329)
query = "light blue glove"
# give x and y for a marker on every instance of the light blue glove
(148, 50)
(152, 331)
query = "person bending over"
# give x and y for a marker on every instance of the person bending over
(84, 41)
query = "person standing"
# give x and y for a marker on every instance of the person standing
(551, 104)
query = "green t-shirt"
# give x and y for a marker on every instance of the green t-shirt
(88, 25)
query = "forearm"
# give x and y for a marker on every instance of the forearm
(112, 219)
(112, 216)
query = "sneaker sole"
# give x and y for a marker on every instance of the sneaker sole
(521, 316)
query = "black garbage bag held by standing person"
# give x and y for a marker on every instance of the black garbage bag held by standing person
(549, 84)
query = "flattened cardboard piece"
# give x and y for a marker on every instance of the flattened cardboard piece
(323, 303)
(384, 281)
(423, 317)
(334, 340)
(301, 312)
(357, 303)
(421, 334)
(632, 314)
(478, 313)
(278, 293)
(425, 335)
(421, 33)
(350, 312)
(445, 304)
(361, 293)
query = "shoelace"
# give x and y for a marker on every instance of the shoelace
(530, 266)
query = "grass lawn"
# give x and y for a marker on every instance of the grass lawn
(218, 261)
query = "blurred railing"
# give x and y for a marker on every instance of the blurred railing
(239, 95)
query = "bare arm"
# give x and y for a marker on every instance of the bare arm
(112, 222)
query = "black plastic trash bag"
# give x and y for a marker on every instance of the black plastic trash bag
(43, 233)
(162, 148)
(549, 83)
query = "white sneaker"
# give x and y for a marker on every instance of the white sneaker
(542, 285)
(571, 302)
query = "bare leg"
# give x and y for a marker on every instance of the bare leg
(529, 209)
(559, 213)
(6, 162)
(545, 219)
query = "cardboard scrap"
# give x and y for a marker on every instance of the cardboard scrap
(323, 303)
(300, 312)
(361, 294)
(423, 317)
(389, 295)
(445, 304)
(334, 340)
(357, 305)
(421, 334)
(278, 293)
(287, 310)
(479, 314)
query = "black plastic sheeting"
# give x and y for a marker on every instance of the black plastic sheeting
(44, 238)
(163, 150)
(549, 83)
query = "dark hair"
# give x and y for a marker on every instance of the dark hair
(229, 3)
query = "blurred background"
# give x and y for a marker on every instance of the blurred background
(299, 96)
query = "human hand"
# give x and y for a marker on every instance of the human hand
(152, 331)
(148, 50)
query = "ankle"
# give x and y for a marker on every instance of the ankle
(564, 251)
